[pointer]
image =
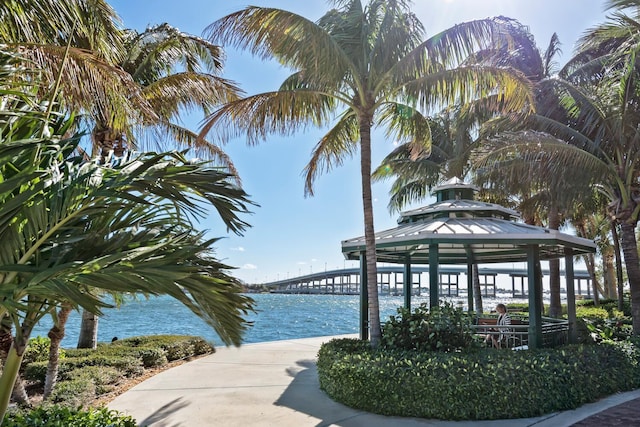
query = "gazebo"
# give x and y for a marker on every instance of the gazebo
(457, 229)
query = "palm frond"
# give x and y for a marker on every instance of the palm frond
(339, 143)
(283, 112)
(270, 32)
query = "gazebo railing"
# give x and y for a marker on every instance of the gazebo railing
(554, 331)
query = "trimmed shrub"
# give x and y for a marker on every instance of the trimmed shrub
(592, 312)
(78, 393)
(104, 378)
(56, 416)
(443, 328)
(153, 357)
(129, 366)
(176, 347)
(480, 385)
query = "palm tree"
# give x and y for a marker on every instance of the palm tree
(598, 139)
(69, 227)
(366, 65)
(86, 38)
(175, 72)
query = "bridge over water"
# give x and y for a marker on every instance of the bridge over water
(452, 282)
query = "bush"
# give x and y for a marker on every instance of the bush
(591, 312)
(481, 385)
(176, 347)
(153, 357)
(104, 378)
(37, 350)
(129, 366)
(55, 416)
(77, 393)
(444, 328)
(85, 374)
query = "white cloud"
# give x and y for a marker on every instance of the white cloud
(249, 267)
(302, 262)
(239, 249)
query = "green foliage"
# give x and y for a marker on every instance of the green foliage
(104, 378)
(153, 357)
(176, 347)
(38, 350)
(85, 374)
(129, 366)
(518, 307)
(444, 328)
(77, 393)
(591, 312)
(480, 385)
(58, 416)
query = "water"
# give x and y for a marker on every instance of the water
(278, 317)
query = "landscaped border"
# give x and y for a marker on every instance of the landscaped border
(478, 385)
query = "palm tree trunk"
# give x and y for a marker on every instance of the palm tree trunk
(19, 394)
(56, 334)
(10, 371)
(590, 262)
(88, 330)
(375, 332)
(619, 279)
(608, 272)
(477, 291)
(630, 250)
(555, 306)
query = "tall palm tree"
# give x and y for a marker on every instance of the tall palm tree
(176, 72)
(598, 139)
(86, 38)
(70, 226)
(367, 66)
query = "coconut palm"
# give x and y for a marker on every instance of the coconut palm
(86, 38)
(176, 72)
(366, 65)
(70, 226)
(598, 140)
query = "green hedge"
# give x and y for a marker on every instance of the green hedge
(481, 385)
(85, 374)
(55, 416)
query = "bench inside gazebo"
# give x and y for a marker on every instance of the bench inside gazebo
(457, 229)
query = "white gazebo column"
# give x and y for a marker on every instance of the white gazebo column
(364, 298)
(571, 295)
(433, 275)
(534, 279)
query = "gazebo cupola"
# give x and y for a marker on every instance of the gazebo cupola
(455, 199)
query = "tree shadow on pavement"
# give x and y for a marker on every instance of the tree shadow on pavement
(164, 412)
(304, 395)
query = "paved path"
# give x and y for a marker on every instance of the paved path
(275, 384)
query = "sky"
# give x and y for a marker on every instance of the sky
(291, 234)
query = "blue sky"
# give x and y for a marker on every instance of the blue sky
(291, 234)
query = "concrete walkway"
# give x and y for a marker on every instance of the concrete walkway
(276, 384)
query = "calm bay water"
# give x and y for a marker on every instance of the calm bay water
(278, 317)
